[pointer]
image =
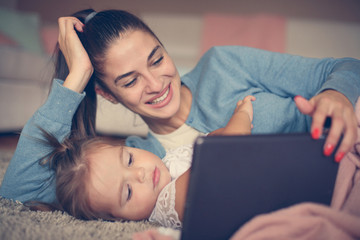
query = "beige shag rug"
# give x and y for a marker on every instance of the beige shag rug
(17, 222)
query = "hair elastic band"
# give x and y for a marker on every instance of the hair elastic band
(89, 17)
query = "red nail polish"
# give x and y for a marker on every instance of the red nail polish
(328, 149)
(339, 156)
(315, 133)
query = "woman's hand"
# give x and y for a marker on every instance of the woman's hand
(77, 59)
(335, 105)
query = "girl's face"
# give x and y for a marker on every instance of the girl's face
(141, 75)
(126, 182)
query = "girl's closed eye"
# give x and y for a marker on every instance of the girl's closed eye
(129, 188)
(131, 159)
(129, 193)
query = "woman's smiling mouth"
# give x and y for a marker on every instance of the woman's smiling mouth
(163, 98)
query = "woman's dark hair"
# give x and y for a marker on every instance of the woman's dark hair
(99, 33)
(69, 159)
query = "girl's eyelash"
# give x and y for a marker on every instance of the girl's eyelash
(131, 159)
(129, 193)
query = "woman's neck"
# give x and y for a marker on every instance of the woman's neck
(165, 126)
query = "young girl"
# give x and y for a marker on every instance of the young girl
(99, 177)
(112, 181)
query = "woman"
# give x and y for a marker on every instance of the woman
(135, 70)
(120, 53)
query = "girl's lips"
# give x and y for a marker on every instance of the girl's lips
(156, 177)
(162, 99)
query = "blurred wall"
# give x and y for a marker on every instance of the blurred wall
(344, 10)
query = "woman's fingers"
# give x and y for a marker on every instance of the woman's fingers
(349, 136)
(304, 105)
(319, 115)
(308, 108)
(66, 28)
(335, 105)
(336, 129)
(77, 59)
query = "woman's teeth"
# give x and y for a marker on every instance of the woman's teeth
(160, 99)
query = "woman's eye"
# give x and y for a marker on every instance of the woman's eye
(129, 193)
(131, 159)
(158, 61)
(131, 83)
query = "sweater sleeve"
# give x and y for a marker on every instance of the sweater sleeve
(228, 73)
(283, 74)
(25, 179)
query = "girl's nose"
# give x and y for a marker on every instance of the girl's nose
(139, 174)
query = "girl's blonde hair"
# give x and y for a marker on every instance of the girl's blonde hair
(70, 161)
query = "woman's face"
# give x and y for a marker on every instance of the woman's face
(141, 75)
(126, 182)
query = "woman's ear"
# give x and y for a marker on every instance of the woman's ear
(106, 95)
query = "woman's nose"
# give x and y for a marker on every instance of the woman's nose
(153, 84)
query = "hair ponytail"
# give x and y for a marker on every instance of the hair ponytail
(84, 121)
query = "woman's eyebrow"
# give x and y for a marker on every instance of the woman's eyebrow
(118, 78)
(153, 52)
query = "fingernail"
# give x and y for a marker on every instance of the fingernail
(315, 133)
(328, 149)
(339, 156)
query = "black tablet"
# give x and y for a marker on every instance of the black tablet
(234, 178)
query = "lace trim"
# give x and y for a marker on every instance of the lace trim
(178, 160)
(164, 212)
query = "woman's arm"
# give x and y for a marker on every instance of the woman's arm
(25, 179)
(285, 76)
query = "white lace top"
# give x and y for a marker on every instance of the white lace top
(177, 160)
